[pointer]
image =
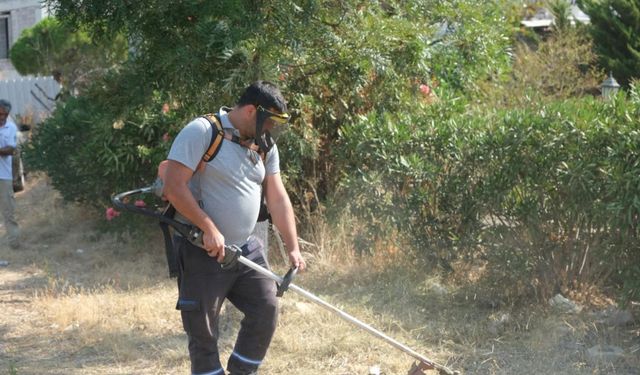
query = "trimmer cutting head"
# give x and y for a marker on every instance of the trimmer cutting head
(418, 367)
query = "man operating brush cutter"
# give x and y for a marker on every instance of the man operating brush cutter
(233, 259)
(222, 197)
(220, 169)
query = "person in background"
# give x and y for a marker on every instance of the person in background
(8, 144)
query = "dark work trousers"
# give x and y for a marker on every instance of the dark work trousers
(203, 288)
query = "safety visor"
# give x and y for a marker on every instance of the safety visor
(278, 118)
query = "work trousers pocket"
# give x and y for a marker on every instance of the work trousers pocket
(202, 288)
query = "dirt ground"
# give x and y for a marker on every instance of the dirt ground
(79, 299)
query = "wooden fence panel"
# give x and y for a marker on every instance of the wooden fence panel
(30, 97)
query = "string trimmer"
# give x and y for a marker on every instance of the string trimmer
(233, 255)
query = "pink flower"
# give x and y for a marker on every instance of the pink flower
(111, 213)
(425, 89)
(166, 137)
(165, 108)
(139, 203)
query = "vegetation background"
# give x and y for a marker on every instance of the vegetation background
(433, 144)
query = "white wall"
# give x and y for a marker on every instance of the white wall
(22, 18)
(23, 14)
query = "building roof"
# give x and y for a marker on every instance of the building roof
(544, 18)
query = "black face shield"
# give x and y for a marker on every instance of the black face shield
(263, 138)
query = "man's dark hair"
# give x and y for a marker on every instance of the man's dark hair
(5, 104)
(263, 93)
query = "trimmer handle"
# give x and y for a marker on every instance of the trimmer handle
(286, 280)
(231, 255)
(195, 236)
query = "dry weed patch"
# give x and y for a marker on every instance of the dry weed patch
(109, 309)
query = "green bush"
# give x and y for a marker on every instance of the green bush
(334, 62)
(548, 196)
(402, 172)
(89, 156)
(69, 55)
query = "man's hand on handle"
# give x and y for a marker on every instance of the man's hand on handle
(213, 242)
(297, 261)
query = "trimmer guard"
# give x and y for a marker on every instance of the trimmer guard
(416, 368)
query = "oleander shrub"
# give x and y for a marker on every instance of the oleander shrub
(89, 155)
(334, 61)
(546, 196)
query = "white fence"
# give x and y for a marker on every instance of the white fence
(30, 96)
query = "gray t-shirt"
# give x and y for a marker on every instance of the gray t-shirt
(229, 188)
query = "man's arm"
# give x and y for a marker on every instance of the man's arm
(7, 150)
(282, 215)
(176, 190)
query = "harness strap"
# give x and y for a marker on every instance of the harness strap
(217, 136)
(248, 143)
(172, 261)
(222, 133)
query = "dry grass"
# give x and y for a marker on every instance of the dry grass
(79, 300)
